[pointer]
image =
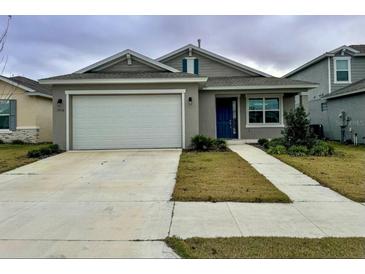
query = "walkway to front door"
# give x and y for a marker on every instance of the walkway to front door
(227, 124)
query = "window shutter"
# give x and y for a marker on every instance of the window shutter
(196, 66)
(12, 117)
(184, 65)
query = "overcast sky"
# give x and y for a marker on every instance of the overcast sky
(43, 46)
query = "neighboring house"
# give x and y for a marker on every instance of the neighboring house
(131, 101)
(25, 110)
(340, 74)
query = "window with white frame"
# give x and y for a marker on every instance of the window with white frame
(264, 110)
(342, 68)
(4, 114)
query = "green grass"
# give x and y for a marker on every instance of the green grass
(344, 172)
(222, 176)
(13, 156)
(267, 248)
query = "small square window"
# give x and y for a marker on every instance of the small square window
(324, 107)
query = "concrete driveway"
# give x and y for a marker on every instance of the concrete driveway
(89, 205)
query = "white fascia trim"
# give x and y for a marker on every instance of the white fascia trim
(40, 95)
(346, 58)
(126, 81)
(134, 91)
(15, 84)
(345, 94)
(344, 47)
(265, 125)
(125, 52)
(214, 55)
(259, 87)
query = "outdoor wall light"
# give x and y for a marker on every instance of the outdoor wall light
(59, 102)
(190, 100)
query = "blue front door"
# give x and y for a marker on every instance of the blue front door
(227, 126)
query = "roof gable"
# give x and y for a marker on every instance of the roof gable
(356, 50)
(213, 56)
(129, 56)
(28, 85)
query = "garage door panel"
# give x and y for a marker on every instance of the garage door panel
(126, 121)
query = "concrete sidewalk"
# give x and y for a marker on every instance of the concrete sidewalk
(316, 211)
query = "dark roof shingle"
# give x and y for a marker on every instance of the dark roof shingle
(360, 48)
(350, 89)
(29, 83)
(254, 81)
(122, 75)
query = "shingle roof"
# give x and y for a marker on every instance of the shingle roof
(254, 81)
(121, 75)
(360, 48)
(34, 85)
(356, 87)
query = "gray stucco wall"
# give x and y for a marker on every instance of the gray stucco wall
(207, 66)
(354, 106)
(59, 112)
(207, 114)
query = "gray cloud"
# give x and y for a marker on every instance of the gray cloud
(42, 46)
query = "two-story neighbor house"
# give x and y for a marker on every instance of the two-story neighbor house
(340, 97)
(129, 100)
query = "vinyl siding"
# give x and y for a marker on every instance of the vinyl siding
(207, 66)
(122, 66)
(357, 72)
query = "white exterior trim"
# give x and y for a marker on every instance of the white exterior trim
(9, 81)
(346, 58)
(125, 52)
(259, 87)
(126, 92)
(265, 125)
(126, 81)
(39, 94)
(238, 96)
(5, 131)
(27, 127)
(212, 55)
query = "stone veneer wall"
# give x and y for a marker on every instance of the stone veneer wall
(26, 135)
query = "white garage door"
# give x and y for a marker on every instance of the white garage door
(126, 121)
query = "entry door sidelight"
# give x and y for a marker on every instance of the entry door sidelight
(227, 124)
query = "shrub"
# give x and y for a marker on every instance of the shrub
(278, 149)
(202, 143)
(220, 144)
(276, 142)
(297, 131)
(321, 148)
(35, 153)
(18, 142)
(298, 150)
(54, 148)
(45, 151)
(1, 141)
(263, 142)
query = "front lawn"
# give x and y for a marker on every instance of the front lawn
(222, 176)
(268, 248)
(13, 156)
(343, 172)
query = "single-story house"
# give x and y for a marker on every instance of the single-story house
(129, 100)
(25, 110)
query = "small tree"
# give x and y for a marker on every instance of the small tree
(297, 131)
